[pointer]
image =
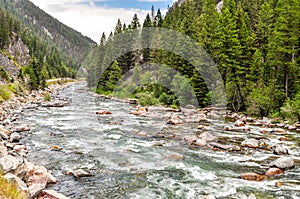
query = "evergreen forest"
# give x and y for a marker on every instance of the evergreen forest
(255, 45)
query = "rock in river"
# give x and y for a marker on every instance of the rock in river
(103, 113)
(79, 173)
(280, 149)
(22, 128)
(252, 177)
(239, 123)
(274, 171)
(174, 120)
(251, 143)
(283, 163)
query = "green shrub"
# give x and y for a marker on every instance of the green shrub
(147, 99)
(4, 92)
(264, 100)
(4, 74)
(47, 97)
(291, 109)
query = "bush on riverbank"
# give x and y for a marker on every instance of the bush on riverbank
(5, 93)
(9, 190)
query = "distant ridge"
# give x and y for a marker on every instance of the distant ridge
(70, 43)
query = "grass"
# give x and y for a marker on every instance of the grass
(5, 93)
(9, 190)
(47, 97)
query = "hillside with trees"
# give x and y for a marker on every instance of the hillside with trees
(28, 59)
(70, 44)
(255, 45)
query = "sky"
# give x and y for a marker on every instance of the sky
(93, 17)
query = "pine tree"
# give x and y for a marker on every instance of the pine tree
(158, 20)
(118, 28)
(207, 27)
(284, 44)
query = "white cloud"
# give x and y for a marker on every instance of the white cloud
(153, 0)
(86, 18)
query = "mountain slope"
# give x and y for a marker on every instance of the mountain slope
(70, 43)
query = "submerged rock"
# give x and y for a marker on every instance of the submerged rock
(103, 113)
(221, 146)
(283, 163)
(207, 137)
(79, 173)
(252, 177)
(176, 157)
(279, 130)
(238, 129)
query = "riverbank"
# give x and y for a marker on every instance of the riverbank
(29, 178)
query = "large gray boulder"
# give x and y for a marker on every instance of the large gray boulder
(283, 163)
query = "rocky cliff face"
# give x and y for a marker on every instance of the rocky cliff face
(18, 50)
(13, 57)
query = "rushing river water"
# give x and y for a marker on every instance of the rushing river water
(124, 165)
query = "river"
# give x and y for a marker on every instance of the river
(124, 165)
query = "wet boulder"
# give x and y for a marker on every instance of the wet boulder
(175, 120)
(280, 149)
(274, 171)
(252, 177)
(283, 163)
(37, 178)
(199, 142)
(79, 173)
(239, 123)
(250, 143)
(221, 146)
(141, 111)
(291, 127)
